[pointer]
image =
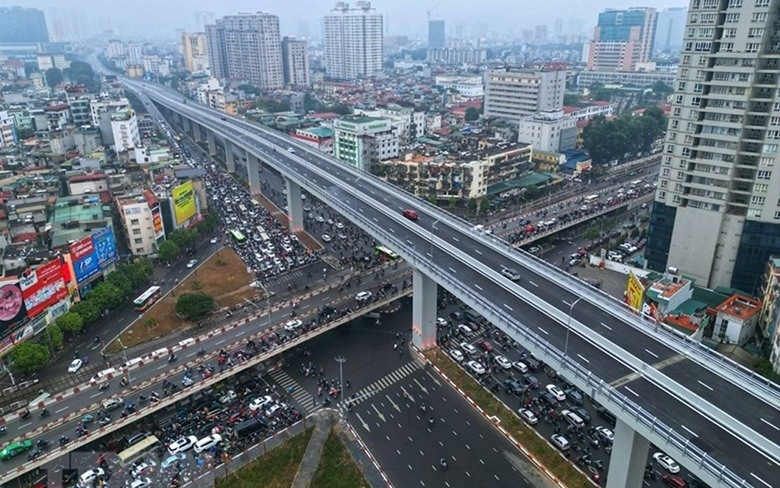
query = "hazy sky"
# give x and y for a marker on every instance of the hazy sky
(159, 18)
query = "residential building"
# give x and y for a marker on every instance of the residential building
(194, 50)
(87, 139)
(467, 86)
(320, 138)
(456, 55)
(716, 214)
(549, 131)
(246, 47)
(124, 127)
(57, 116)
(79, 110)
(135, 52)
(140, 217)
(513, 93)
(90, 183)
(363, 142)
(639, 79)
(295, 62)
(115, 49)
(48, 61)
(353, 41)
(436, 37)
(622, 39)
(770, 307)
(669, 29)
(736, 320)
(408, 123)
(7, 130)
(20, 25)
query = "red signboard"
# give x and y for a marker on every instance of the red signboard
(43, 287)
(82, 248)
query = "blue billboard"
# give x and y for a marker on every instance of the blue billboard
(105, 246)
(93, 253)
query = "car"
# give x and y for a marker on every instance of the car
(292, 325)
(606, 415)
(142, 483)
(549, 399)
(410, 214)
(182, 444)
(207, 443)
(556, 392)
(605, 434)
(503, 362)
(520, 366)
(560, 442)
(485, 345)
(87, 478)
(14, 449)
(667, 462)
(514, 387)
(469, 349)
(113, 403)
(173, 459)
(574, 396)
(339, 226)
(326, 238)
(75, 365)
(187, 381)
(260, 403)
(457, 355)
(273, 409)
(465, 330)
(363, 296)
(531, 382)
(528, 415)
(214, 240)
(475, 367)
(441, 322)
(584, 415)
(191, 263)
(320, 219)
(674, 481)
(572, 418)
(139, 469)
(510, 273)
(290, 150)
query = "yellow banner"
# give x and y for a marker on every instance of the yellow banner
(635, 292)
(184, 202)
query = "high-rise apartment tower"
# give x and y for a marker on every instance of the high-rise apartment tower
(353, 41)
(295, 61)
(622, 39)
(21, 25)
(436, 37)
(716, 215)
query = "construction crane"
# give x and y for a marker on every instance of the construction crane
(432, 9)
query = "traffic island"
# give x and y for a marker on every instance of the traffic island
(547, 458)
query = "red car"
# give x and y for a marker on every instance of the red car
(674, 481)
(485, 345)
(411, 214)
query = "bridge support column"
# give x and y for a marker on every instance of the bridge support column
(212, 143)
(185, 124)
(629, 456)
(294, 206)
(252, 172)
(230, 160)
(423, 311)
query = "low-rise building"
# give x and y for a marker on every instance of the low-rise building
(363, 142)
(86, 184)
(142, 222)
(124, 128)
(57, 116)
(468, 86)
(320, 138)
(457, 55)
(549, 131)
(736, 320)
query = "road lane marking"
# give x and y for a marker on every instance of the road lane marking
(769, 424)
(24, 425)
(705, 385)
(478, 251)
(375, 220)
(478, 287)
(606, 326)
(220, 342)
(508, 307)
(651, 353)
(631, 391)
(689, 430)
(759, 479)
(455, 239)
(533, 284)
(583, 358)
(452, 270)
(429, 254)
(64, 408)
(542, 331)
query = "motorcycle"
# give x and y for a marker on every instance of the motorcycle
(63, 440)
(171, 358)
(44, 412)
(201, 351)
(443, 464)
(104, 386)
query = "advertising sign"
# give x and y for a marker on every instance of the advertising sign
(158, 224)
(43, 287)
(635, 292)
(12, 310)
(105, 246)
(85, 263)
(184, 202)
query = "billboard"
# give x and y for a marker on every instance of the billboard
(158, 223)
(184, 207)
(93, 253)
(43, 287)
(635, 292)
(12, 310)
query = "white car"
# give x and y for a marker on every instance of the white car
(260, 403)
(528, 415)
(363, 296)
(503, 362)
(319, 219)
(292, 325)
(75, 365)
(207, 443)
(469, 349)
(520, 366)
(326, 238)
(214, 240)
(191, 263)
(606, 435)
(271, 411)
(457, 355)
(142, 483)
(441, 322)
(475, 367)
(339, 226)
(560, 442)
(139, 470)
(556, 392)
(182, 445)
(510, 273)
(666, 462)
(88, 478)
(465, 330)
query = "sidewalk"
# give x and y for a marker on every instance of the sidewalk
(311, 458)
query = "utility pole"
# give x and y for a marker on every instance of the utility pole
(341, 360)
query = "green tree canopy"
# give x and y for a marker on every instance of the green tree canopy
(139, 272)
(53, 77)
(169, 251)
(86, 310)
(28, 356)
(122, 282)
(70, 322)
(183, 238)
(194, 305)
(105, 296)
(54, 336)
(81, 73)
(472, 114)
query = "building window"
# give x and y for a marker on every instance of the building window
(764, 175)
(760, 188)
(762, 3)
(139, 241)
(134, 222)
(136, 232)
(757, 200)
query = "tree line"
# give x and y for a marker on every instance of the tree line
(624, 136)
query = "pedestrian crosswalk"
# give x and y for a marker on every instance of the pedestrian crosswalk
(384, 382)
(303, 398)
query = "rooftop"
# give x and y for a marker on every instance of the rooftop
(75, 217)
(665, 288)
(740, 306)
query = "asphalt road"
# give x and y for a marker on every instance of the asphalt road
(699, 381)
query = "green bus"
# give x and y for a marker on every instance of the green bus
(238, 237)
(386, 253)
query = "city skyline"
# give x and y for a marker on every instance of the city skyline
(304, 18)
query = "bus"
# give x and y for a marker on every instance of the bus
(242, 209)
(263, 234)
(147, 298)
(139, 449)
(635, 183)
(238, 237)
(386, 253)
(592, 198)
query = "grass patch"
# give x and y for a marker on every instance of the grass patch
(275, 469)
(337, 469)
(223, 276)
(522, 433)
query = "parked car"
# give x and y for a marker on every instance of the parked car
(457, 355)
(528, 416)
(667, 462)
(182, 445)
(560, 442)
(475, 367)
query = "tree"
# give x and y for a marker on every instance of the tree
(122, 282)
(54, 336)
(194, 305)
(531, 193)
(28, 357)
(53, 77)
(472, 114)
(182, 237)
(139, 272)
(662, 89)
(169, 251)
(70, 322)
(473, 205)
(81, 73)
(86, 310)
(484, 204)
(571, 99)
(105, 296)
(341, 109)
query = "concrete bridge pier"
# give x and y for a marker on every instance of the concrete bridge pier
(629, 456)
(423, 311)
(230, 158)
(212, 143)
(253, 173)
(294, 206)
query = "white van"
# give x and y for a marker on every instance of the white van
(573, 418)
(207, 442)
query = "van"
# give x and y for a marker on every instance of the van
(207, 443)
(572, 418)
(410, 214)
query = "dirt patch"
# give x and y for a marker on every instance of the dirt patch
(222, 276)
(304, 237)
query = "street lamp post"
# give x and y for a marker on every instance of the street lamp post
(341, 360)
(124, 355)
(568, 326)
